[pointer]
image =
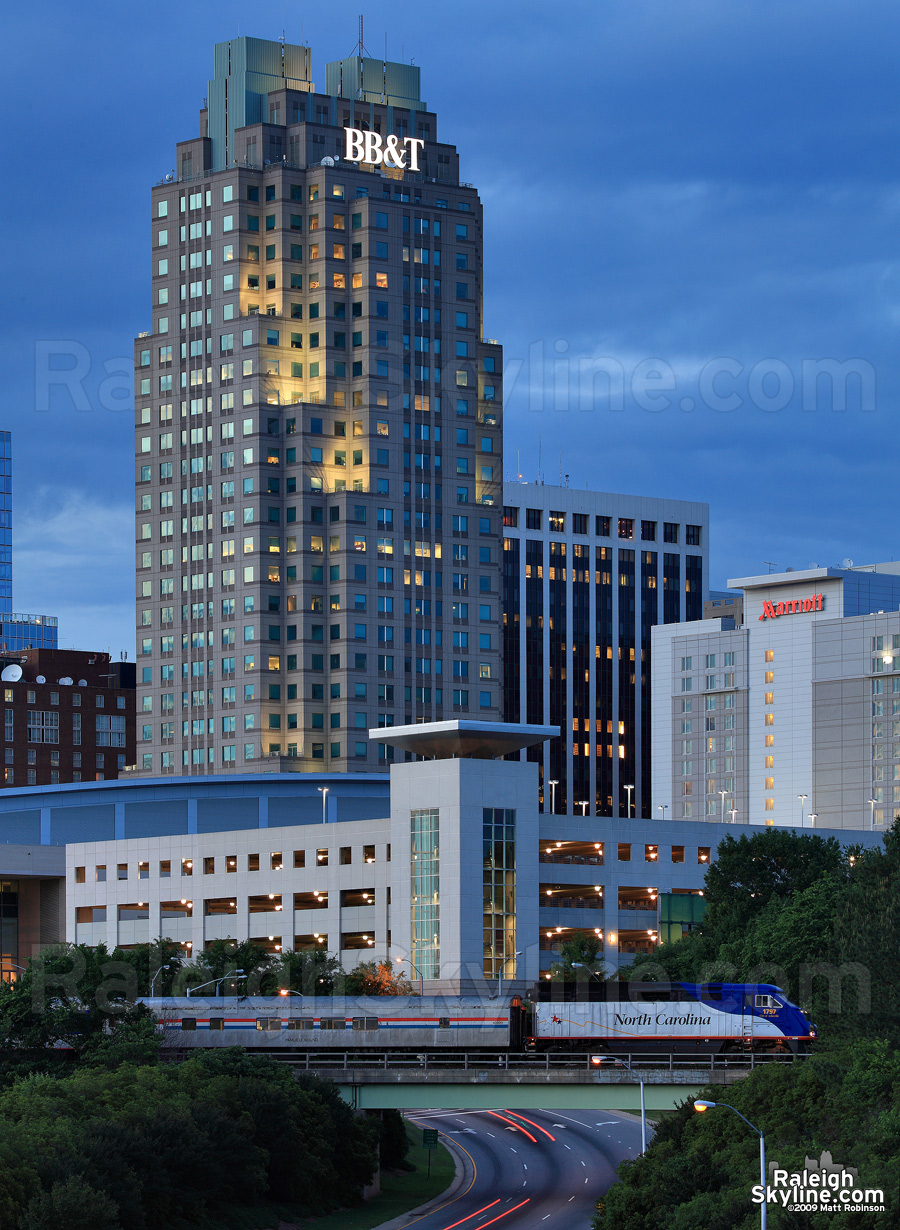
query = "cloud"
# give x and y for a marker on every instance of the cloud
(73, 558)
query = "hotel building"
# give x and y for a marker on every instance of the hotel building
(788, 713)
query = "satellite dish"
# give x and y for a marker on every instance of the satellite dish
(170, 177)
(327, 161)
(65, 682)
(40, 679)
(846, 563)
(11, 674)
(82, 683)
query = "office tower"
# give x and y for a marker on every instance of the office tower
(318, 427)
(586, 576)
(17, 631)
(787, 713)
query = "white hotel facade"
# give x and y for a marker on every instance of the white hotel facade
(790, 716)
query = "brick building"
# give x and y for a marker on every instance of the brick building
(68, 716)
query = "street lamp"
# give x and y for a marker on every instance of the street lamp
(702, 1106)
(400, 961)
(598, 1059)
(287, 991)
(155, 976)
(812, 819)
(592, 972)
(323, 790)
(629, 789)
(218, 982)
(872, 803)
(512, 957)
(583, 804)
(732, 811)
(802, 798)
(4, 964)
(723, 794)
(553, 785)
(663, 807)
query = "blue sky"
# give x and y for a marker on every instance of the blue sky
(699, 198)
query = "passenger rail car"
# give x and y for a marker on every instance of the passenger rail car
(342, 1023)
(651, 1017)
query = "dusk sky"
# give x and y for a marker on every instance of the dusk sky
(710, 187)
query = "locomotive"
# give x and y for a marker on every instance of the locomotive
(647, 1017)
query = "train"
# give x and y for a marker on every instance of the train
(604, 1018)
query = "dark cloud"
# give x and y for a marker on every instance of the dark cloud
(675, 180)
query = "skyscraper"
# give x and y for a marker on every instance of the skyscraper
(586, 577)
(16, 631)
(318, 427)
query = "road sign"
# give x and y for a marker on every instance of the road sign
(430, 1138)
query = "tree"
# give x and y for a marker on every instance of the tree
(157, 963)
(310, 971)
(580, 960)
(749, 872)
(376, 978)
(222, 957)
(75, 995)
(73, 1204)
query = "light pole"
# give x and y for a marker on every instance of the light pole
(11, 965)
(218, 982)
(287, 991)
(512, 957)
(802, 798)
(400, 961)
(872, 803)
(553, 785)
(723, 794)
(155, 976)
(663, 807)
(732, 812)
(702, 1106)
(629, 790)
(598, 1059)
(583, 804)
(593, 973)
(323, 790)
(812, 819)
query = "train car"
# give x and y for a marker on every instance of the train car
(653, 1017)
(343, 1023)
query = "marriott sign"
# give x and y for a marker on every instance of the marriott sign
(795, 606)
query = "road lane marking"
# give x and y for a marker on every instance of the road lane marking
(475, 1214)
(518, 1127)
(515, 1115)
(493, 1219)
(455, 1198)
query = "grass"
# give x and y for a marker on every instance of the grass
(400, 1192)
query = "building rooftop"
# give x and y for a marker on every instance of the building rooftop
(462, 738)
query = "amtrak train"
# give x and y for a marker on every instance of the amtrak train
(651, 1017)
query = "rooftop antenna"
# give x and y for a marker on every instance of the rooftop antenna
(770, 564)
(540, 439)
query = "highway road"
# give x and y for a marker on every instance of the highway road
(529, 1170)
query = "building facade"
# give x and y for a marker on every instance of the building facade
(586, 576)
(68, 716)
(16, 631)
(318, 428)
(447, 867)
(793, 713)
